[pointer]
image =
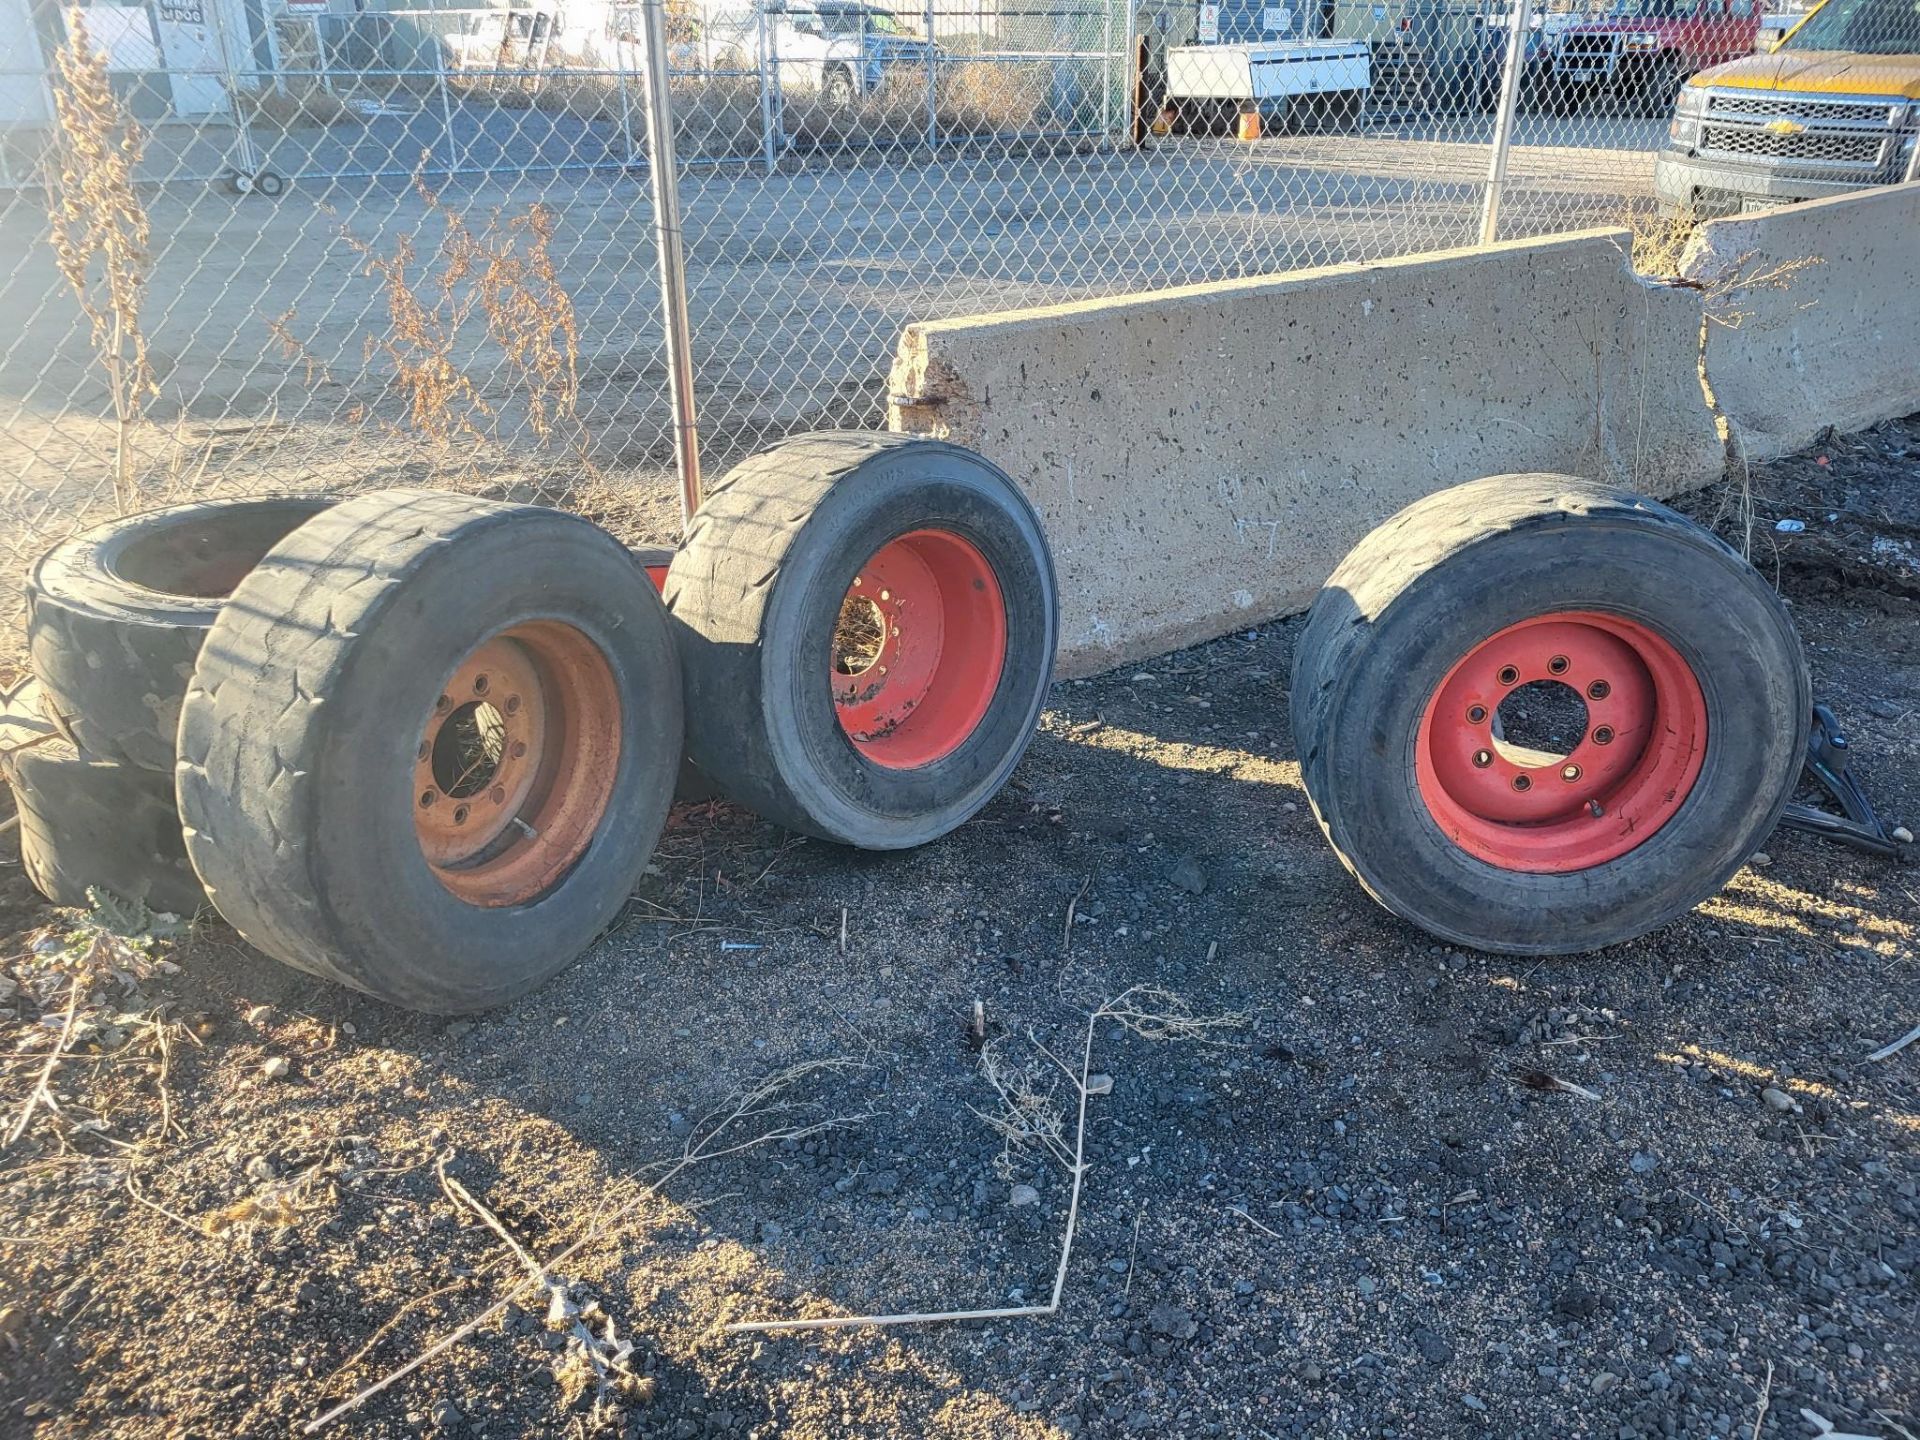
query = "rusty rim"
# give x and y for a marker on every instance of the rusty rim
(516, 763)
(1632, 752)
(918, 649)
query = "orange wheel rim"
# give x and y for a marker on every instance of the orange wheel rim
(1636, 758)
(515, 764)
(918, 649)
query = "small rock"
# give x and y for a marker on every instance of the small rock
(1433, 1348)
(770, 1232)
(447, 1415)
(1473, 1402)
(1603, 1382)
(1642, 1163)
(1790, 527)
(258, 1015)
(1188, 876)
(1883, 709)
(1903, 835)
(261, 1168)
(1023, 1195)
(1099, 1084)
(1761, 860)
(1778, 1099)
(275, 1067)
(1173, 1322)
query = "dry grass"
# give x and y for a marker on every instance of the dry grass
(490, 290)
(100, 233)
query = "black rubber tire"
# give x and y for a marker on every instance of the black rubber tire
(115, 617)
(1450, 570)
(297, 741)
(87, 822)
(755, 591)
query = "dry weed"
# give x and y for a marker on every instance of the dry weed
(100, 232)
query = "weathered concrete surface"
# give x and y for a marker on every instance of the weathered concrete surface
(1202, 457)
(1815, 314)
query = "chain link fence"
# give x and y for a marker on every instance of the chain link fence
(416, 245)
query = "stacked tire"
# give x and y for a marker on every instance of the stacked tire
(115, 621)
(423, 744)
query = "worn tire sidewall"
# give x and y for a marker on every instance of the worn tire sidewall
(1715, 611)
(850, 798)
(370, 878)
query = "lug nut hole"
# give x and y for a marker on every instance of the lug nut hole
(1508, 674)
(479, 684)
(1603, 735)
(1569, 773)
(1476, 714)
(1522, 783)
(426, 798)
(1557, 665)
(1482, 758)
(513, 704)
(1599, 690)
(460, 813)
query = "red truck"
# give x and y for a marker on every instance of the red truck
(1642, 51)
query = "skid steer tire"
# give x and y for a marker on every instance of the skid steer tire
(116, 616)
(939, 555)
(429, 746)
(88, 823)
(1692, 693)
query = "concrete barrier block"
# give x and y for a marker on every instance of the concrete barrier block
(1814, 315)
(1203, 457)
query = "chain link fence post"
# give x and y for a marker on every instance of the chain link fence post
(1510, 73)
(446, 101)
(933, 82)
(673, 268)
(769, 67)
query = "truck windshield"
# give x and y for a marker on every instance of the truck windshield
(1866, 27)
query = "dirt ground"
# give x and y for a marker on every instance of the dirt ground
(1353, 1212)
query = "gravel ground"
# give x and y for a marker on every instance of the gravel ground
(1365, 1208)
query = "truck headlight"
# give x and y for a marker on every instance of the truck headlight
(1642, 41)
(1684, 132)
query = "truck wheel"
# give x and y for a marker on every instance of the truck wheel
(91, 823)
(867, 628)
(1660, 88)
(836, 88)
(115, 617)
(1540, 715)
(429, 745)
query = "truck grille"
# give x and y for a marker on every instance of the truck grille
(1589, 47)
(1844, 134)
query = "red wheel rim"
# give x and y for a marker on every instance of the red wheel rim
(1629, 773)
(919, 649)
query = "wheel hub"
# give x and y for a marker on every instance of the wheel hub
(1621, 778)
(918, 651)
(515, 763)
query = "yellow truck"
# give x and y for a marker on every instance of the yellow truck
(1834, 106)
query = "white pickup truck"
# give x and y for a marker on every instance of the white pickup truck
(837, 49)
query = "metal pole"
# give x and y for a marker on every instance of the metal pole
(768, 74)
(623, 62)
(446, 100)
(1130, 101)
(1106, 70)
(673, 268)
(1503, 125)
(933, 113)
